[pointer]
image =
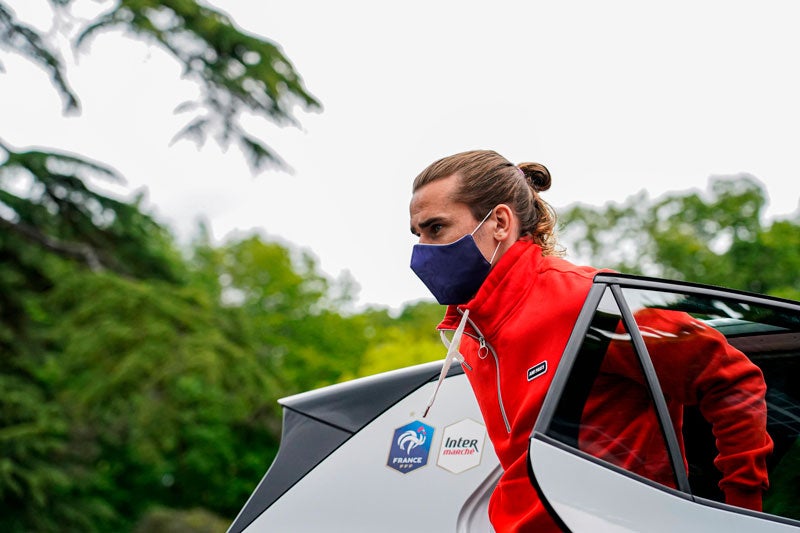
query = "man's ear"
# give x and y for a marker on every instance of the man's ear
(504, 217)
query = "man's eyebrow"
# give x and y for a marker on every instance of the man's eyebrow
(425, 223)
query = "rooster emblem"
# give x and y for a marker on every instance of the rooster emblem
(410, 439)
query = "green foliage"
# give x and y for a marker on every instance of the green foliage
(163, 520)
(127, 379)
(22, 39)
(303, 336)
(236, 71)
(60, 213)
(409, 339)
(398, 348)
(717, 238)
(155, 393)
(46, 197)
(33, 433)
(770, 262)
(160, 388)
(121, 393)
(59, 217)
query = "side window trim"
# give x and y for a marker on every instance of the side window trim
(654, 386)
(571, 351)
(686, 287)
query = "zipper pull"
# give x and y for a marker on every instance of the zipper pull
(483, 350)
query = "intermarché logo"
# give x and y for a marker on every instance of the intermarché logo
(462, 446)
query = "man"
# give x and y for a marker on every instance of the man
(487, 249)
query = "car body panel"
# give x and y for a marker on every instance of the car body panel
(355, 490)
(590, 497)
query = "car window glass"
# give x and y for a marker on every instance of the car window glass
(607, 409)
(730, 374)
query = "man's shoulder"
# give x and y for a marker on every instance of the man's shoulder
(558, 266)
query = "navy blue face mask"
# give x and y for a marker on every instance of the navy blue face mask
(452, 272)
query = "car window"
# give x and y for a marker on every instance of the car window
(608, 403)
(695, 392)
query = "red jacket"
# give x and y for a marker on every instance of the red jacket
(519, 321)
(522, 315)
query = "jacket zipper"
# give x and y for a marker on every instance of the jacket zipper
(485, 345)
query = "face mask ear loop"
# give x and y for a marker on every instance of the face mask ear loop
(482, 221)
(452, 351)
(491, 261)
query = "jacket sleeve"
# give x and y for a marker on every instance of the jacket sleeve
(697, 366)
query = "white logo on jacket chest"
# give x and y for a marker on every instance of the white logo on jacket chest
(537, 370)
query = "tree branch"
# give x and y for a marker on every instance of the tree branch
(80, 252)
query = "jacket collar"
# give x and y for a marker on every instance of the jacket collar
(507, 284)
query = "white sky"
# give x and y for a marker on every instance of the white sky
(613, 97)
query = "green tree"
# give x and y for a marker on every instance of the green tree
(291, 317)
(167, 403)
(49, 199)
(236, 72)
(163, 394)
(719, 237)
(73, 259)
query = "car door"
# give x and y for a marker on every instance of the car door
(676, 407)
(360, 456)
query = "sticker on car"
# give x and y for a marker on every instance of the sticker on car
(411, 445)
(462, 446)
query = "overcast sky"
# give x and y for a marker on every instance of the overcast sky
(613, 97)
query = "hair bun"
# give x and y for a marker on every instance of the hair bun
(537, 175)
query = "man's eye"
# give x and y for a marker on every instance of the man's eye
(436, 228)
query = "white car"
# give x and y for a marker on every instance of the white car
(359, 456)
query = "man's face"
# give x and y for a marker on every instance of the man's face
(435, 217)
